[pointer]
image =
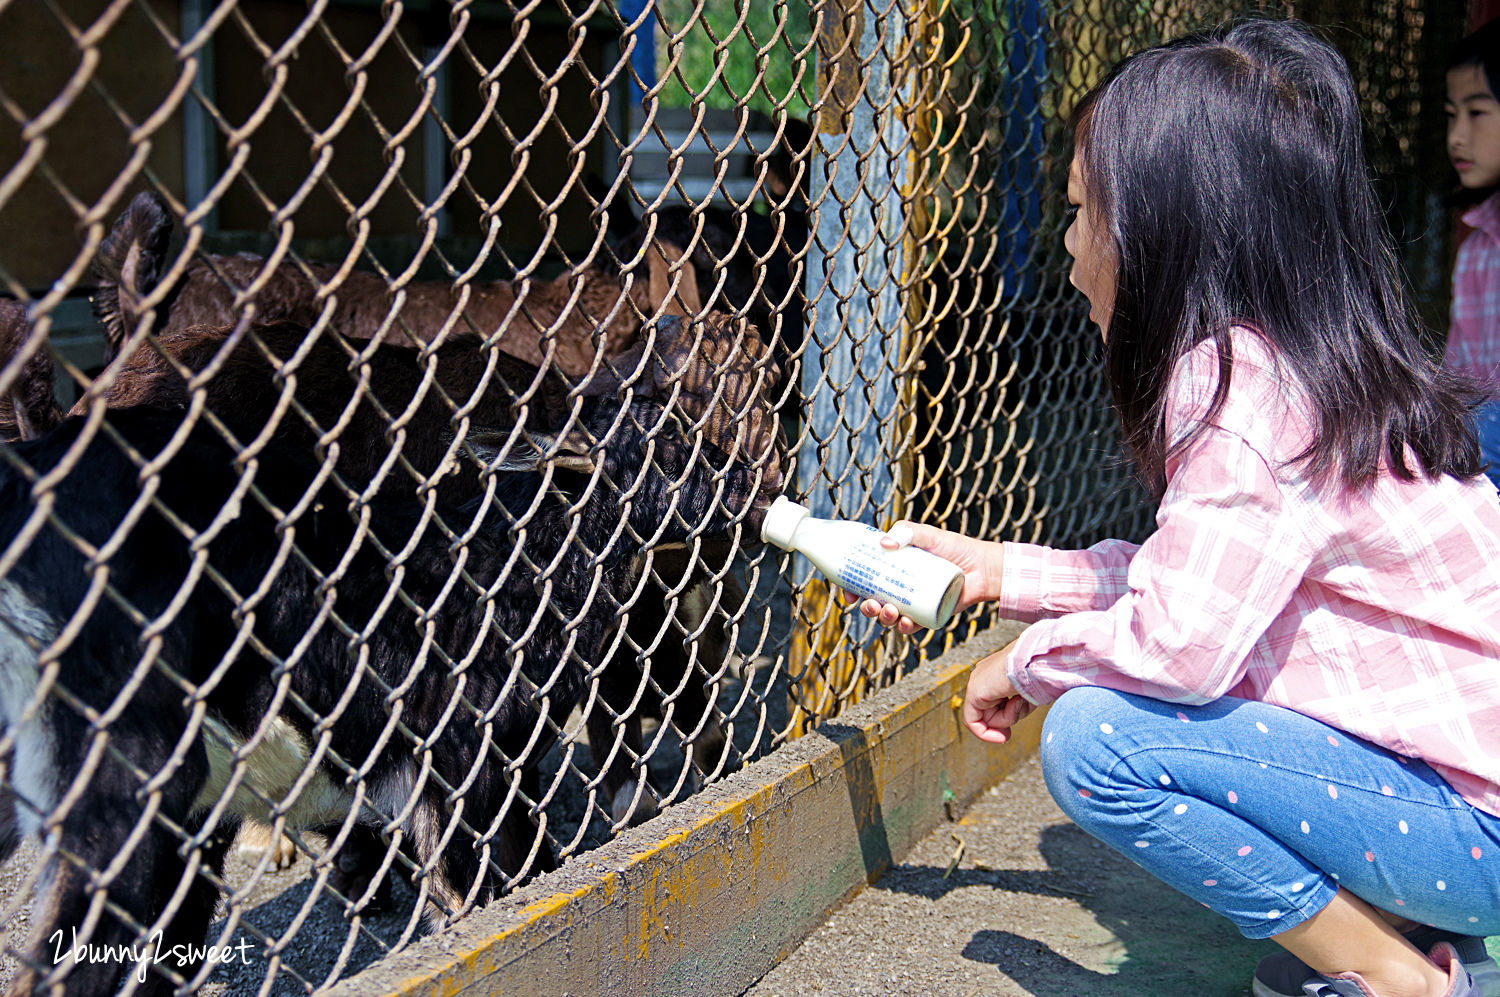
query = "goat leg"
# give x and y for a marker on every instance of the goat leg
(616, 745)
(78, 942)
(357, 865)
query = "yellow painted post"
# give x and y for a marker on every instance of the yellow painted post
(925, 69)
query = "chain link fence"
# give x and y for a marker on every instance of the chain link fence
(392, 392)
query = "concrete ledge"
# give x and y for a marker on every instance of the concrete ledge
(706, 898)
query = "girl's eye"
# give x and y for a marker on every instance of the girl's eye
(1070, 212)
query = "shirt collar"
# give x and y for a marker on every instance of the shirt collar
(1485, 216)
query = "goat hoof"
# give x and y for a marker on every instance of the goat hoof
(629, 811)
(257, 840)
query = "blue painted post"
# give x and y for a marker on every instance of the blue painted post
(846, 458)
(642, 30)
(1025, 144)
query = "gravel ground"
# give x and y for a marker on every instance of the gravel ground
(1033, 906)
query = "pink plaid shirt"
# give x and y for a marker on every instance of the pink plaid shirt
(1474, 333)
(1378, 614)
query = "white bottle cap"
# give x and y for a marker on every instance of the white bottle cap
(781, 521)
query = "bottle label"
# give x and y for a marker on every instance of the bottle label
(870, 570)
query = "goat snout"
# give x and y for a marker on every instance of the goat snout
(755, 512)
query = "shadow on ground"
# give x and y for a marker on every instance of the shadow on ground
(1148, 940)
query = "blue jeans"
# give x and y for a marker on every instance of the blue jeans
(1261, 814)
(1487, 425)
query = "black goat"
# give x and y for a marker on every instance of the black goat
(158, 712)
(717, 368)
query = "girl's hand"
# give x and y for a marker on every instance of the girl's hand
(980, 560)
(991, 705)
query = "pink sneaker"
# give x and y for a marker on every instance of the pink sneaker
(1282, 974)
(1460, 983)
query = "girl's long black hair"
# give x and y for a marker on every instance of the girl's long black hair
(1229, 168)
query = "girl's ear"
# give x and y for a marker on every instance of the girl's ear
(519, 450)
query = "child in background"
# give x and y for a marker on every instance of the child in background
(1474, 148)
(1285, 703)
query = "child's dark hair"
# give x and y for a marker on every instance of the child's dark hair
(1230, 170)
(1480, 48)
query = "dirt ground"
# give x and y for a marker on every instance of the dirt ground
(1033, 906)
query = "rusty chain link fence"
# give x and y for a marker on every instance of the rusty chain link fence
(392, 392)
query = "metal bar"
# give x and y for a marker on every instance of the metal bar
(434, 142)
(852, 285)
(199, 145)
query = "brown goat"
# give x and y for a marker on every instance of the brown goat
(28, 404)
(712, 371)
(569, 322)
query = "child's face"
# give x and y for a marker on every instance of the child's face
(1093, 254)
(1473, 128)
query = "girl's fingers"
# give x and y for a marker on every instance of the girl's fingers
(988, 724)
(993, 723)
(1014, 710)
(985, 732)
(991, 705)
(888, 616)
(899, 535)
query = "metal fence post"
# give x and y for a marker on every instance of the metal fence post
(199, 142)
(852, 284)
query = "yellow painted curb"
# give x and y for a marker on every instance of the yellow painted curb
(707, 897)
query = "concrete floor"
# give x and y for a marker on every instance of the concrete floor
(1013, 900)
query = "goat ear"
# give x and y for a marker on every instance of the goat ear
(525, 451)
(673, 293)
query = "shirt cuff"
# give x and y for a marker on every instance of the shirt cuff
(1023, 579)
(1033, 641)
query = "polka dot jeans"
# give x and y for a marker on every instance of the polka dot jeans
(1487, 425)
(1261, 814)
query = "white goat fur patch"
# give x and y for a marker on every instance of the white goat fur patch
(272, 770)
(33, 770)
